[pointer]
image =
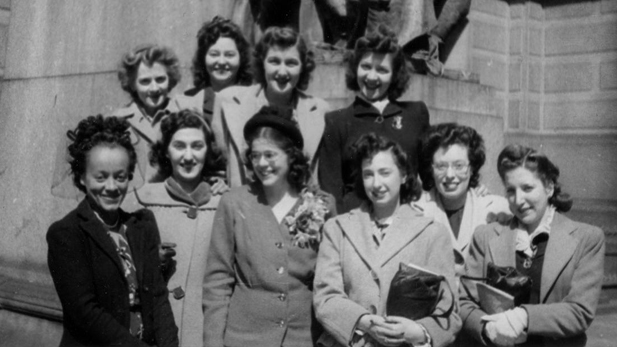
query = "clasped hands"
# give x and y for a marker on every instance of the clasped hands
(507, 328)
(391, 331)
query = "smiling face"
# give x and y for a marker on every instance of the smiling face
(187, 154)
(382, 180)
(282, 67)
(222, 63)
(375, 75)
(152, 86)
(527, 195)
(452, 173)
(270, 163)
(106, 177)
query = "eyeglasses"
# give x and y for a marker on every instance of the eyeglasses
(269, 156)
(458, 168)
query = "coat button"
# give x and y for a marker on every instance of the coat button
(282, 296)
(280, 270)
(279, 245)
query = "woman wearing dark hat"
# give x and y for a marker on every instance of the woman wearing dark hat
(261, 262)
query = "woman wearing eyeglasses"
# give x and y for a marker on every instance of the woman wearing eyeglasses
(451, 156)
(258, 286)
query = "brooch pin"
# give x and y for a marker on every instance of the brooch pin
(397, 123)
(527, 263)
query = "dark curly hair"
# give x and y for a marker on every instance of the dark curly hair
(381, 41)
(207, 36)
(93, 131)
(299, 167)
(147, 54)
(169, 126)
(284, 38)
(366, 147)
(443, 136)
(514, 156)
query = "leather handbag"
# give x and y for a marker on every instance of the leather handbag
(504, 278)
(415, 293)
(510, 280)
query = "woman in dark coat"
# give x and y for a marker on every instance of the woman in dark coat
(104, 262)
(378, 73)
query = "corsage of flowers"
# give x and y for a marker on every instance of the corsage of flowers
(306, 222)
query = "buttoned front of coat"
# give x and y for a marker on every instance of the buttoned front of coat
(258, 286)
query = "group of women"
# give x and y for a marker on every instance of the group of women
(183, 261)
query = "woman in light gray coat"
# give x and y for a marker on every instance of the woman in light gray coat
(363, 249)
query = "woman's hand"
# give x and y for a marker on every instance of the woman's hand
(218, 186)
(413, 333)
(507, 328)
(392, 331)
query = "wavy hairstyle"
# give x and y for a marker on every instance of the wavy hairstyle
(95, 131)
(147, 54)
(207, 36)
(169, 126)
(284, 38)
(381, 41)
(366, 147)
(299, 167)
(514, 156)
(443, 136)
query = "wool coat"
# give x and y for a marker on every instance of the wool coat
(478, 210)
(144, 133)
(192, 239)
(353, 276)
(89, 278)
(403, 122)
(571, 279)
(234, 106)
(201, 100)
(258, 285)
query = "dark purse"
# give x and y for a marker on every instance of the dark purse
(415, 293)
(507, 279)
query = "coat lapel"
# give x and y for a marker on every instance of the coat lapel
(357, 229)
(134, 235)
(502, 248)
(406, 226)
(559, 251)
(311, 123)
(94, 228)
(239, 110)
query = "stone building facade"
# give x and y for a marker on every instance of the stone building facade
(543, 73)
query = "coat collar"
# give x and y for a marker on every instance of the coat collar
(407, 224)
(363, 108)
(147, 129)
(311, 126)
(155, 194)
(474, 213)
(93, 227)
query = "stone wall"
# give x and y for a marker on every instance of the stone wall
(553, 65)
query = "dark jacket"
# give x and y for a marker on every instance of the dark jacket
(88, 277)
(403, 122)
